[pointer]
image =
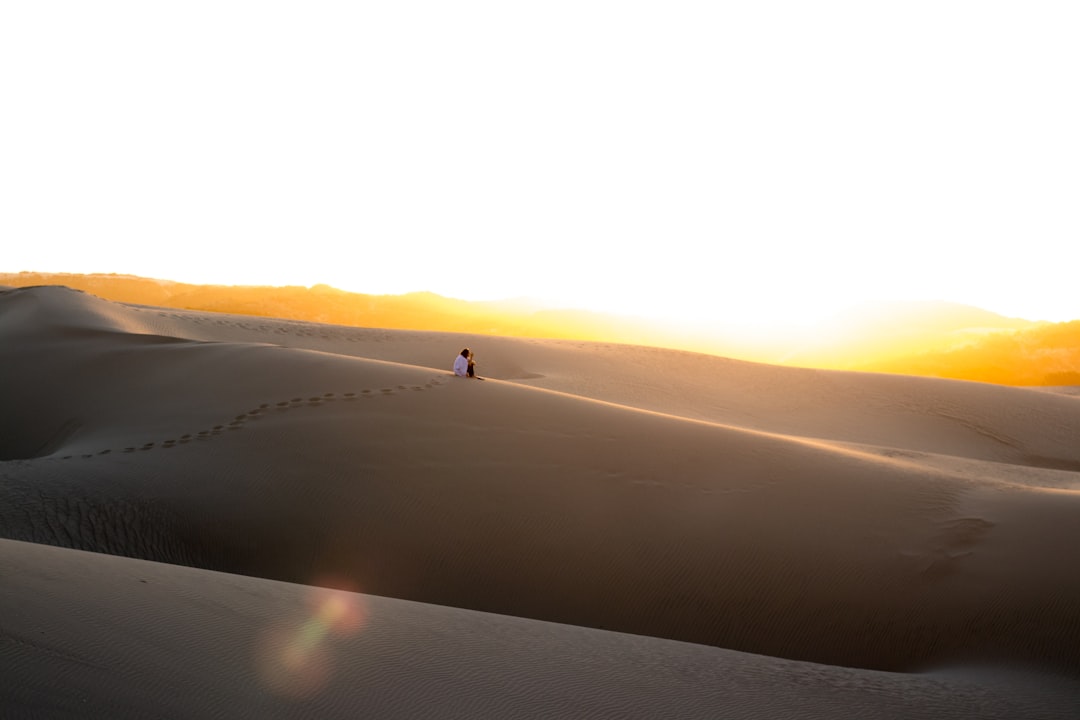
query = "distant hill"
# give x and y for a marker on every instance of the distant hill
(1047, 354)
(936, 339)
(876, 332)
(948, 340)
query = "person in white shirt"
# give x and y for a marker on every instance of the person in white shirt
(461, 363)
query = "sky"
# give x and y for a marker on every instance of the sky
(695, 161)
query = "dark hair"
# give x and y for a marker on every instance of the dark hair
(465, 352)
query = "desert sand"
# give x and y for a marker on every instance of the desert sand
(596, 530)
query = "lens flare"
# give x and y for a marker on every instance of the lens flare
(295, 659)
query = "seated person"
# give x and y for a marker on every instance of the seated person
(462, 365)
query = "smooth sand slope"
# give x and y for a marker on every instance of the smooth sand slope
(870, 522)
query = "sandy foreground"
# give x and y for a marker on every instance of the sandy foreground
(594, 531)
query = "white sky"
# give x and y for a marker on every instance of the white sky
(700, 160)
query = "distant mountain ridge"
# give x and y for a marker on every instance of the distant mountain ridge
(876, 331)
(938, 339)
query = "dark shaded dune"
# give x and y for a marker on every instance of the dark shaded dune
(88, 635)
(1052, 463)
(315, 467)
(88, 384)
(78, 366)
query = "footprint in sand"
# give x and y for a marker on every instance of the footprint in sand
(254, 414)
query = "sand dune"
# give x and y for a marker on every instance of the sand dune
(882, 526)
(121, 638)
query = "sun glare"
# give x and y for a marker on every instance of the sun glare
(750, 164)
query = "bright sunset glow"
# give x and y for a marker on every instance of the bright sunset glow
(704, 162)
